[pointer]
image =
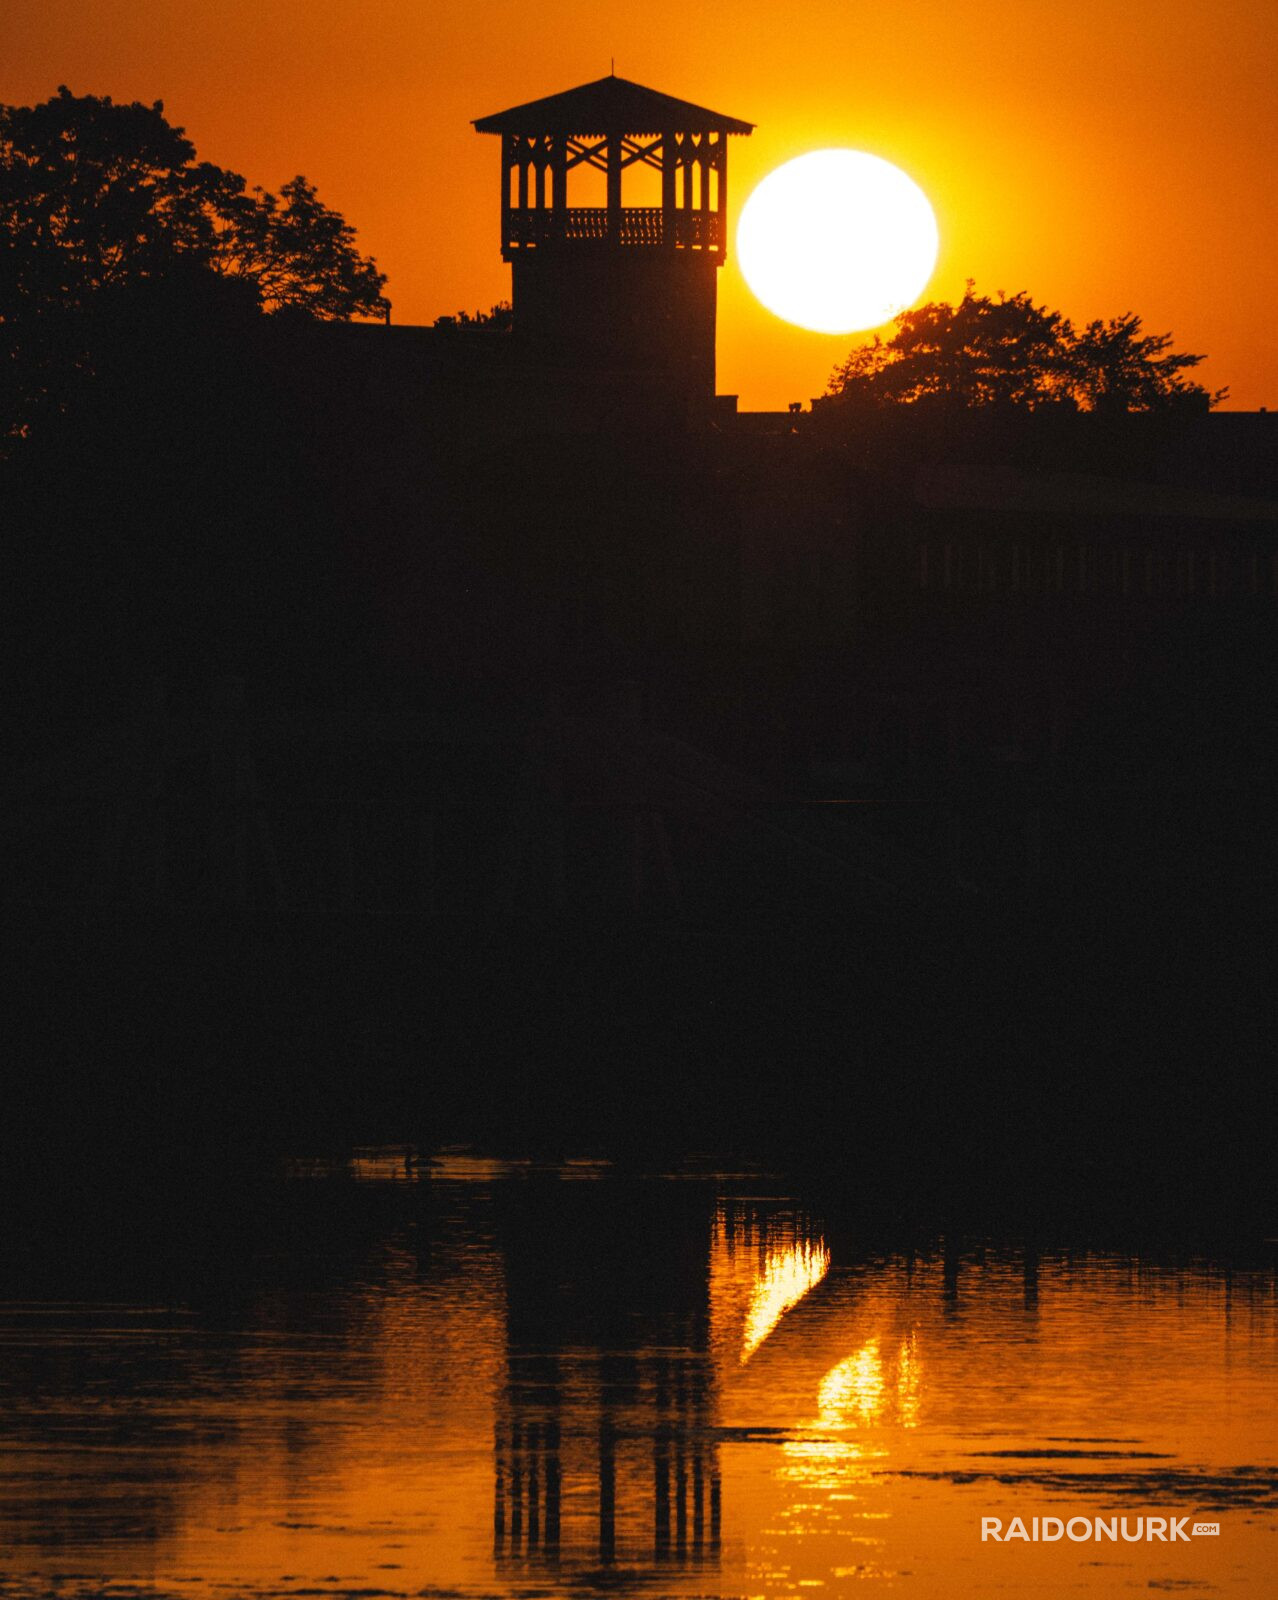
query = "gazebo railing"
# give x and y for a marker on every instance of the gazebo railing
(638, 225)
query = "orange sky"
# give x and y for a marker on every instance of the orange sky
(1105, 157)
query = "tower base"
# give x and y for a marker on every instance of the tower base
(649, 311)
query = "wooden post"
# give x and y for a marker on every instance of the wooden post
(721, 156)
(669, 159)
(614, 188)
(507, 162)
(559, 181)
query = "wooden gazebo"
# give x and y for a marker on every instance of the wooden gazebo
(625, 286)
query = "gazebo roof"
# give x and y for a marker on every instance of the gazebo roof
(610, 105)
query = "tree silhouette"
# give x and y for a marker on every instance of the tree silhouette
(499, 319)
(101, 202)
(299, 254)
(1011, 354)
(1117, 368)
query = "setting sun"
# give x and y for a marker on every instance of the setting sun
(837, 241)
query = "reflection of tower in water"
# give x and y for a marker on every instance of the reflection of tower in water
(605, 1451)
(685, 1459)
(526, 1493)
(628, 1474)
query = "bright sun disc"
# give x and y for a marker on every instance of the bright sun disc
(837, 241)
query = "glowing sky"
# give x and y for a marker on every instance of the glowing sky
(1106, 158)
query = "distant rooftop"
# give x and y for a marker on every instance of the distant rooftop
(610, 105)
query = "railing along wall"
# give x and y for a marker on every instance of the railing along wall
(639, 225)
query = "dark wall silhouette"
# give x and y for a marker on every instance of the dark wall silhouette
(652, 311)
(390, 747)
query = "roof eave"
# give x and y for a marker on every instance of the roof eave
(556, 114)
(497, 125)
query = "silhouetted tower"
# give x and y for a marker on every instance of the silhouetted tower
(616, 286)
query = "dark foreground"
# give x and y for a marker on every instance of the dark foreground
(389, 760)
(398, 1373)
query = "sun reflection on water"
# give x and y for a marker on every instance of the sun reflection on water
(908, 1384)
(864, 1390)
(855, 1384)
(867, 1388)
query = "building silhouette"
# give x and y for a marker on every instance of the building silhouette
(621, 285)
(427, 664)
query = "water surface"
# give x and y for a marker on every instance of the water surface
(458, 1376)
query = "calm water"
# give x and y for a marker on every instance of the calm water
(481, 1379)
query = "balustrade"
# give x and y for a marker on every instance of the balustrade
(637, 225)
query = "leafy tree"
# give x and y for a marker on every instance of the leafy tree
(1013, 355)
(1114, 367)
(299, 254)
(101, 203)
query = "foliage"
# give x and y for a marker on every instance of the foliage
(101, 204)
(499, 319)
(1116, 367)
(299, 254)
(1013, 355)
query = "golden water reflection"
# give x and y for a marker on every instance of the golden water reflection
(483, 1380)
(855, 1385)
(762, 1263)
(862, 1387)
(784, 1279)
